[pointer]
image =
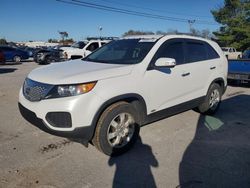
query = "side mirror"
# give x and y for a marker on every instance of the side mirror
(165, 62)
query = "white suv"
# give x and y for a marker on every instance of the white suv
(129, 82)
(83, 48)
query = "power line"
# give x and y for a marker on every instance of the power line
(153, 10)
(130, 12)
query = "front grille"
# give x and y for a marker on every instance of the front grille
(35, 91)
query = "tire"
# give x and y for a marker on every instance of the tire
(212, 100)
(112, 124)
(238, 57)
(17, 59)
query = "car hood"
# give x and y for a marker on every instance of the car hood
(78, 71)
(67, 48)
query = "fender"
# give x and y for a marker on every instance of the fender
(221, 82)
(135, 99)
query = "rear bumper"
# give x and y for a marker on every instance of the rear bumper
(239, 76)
(83, 133)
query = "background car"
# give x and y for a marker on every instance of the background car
(2, 59)
(76, 52)
(246, 54)
(239, 70)
(30, 51)
(231, 53)
(46, 56)
(14, 54)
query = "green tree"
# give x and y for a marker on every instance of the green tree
(63, 34)
(52, 40)
(133, 32)
(3, 42)
(234, 17)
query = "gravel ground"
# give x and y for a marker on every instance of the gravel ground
(186, 150)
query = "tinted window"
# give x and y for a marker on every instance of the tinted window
(195, 52)
(79, 45)
(171, 50)
(93, 46)
(211, 53)
(246, 54)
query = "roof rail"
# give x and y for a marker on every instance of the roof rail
(102, 38)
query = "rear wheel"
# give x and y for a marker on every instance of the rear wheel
(117, 129)
(17, 59)
(212, 100)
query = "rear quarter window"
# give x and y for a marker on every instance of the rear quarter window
(211, 53)
(196, 51)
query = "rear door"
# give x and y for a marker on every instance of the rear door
(202, 62)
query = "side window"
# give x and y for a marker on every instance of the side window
(211, 53)
(171, 50)
(81, 45)
(93, 46)
(230, 50)
(195, 52)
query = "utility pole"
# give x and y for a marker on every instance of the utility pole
(191, 22)
(100, 31)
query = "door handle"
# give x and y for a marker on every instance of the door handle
(185, 74)
(211, 68)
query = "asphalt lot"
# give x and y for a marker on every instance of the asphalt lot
(186, 150)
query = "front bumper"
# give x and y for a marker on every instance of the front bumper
(84, 133)
(71, 117)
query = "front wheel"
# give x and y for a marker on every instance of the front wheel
(17, 59)
(117, 129)
(212, 100)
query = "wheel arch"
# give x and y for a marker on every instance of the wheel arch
(221, 83)
(136, 100)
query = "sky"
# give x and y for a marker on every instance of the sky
(39, 20)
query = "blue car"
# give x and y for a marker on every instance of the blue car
(246, 54)
(14, 54)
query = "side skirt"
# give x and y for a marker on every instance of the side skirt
(162, 114)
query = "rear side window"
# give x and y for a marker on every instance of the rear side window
(93, 46)
(211, 53)
(171, 49)
(195, 52)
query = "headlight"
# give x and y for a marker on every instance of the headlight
(70, 90)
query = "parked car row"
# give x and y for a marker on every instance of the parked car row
(14, 54)
(2, 59)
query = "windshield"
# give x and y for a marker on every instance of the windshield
(78, 45)
(225, 49)
(125, 51)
